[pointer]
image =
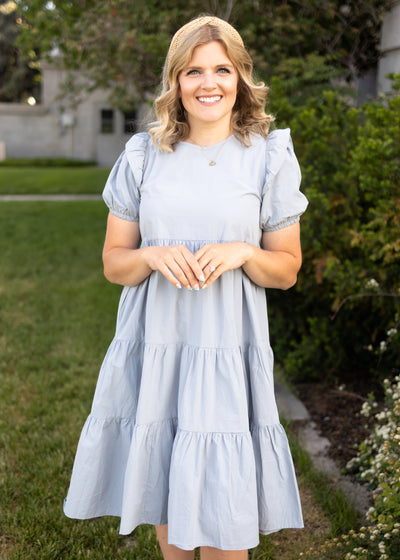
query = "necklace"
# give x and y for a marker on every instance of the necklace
(212, 161)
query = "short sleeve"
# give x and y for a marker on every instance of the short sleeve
(282, 201)
(122, 190)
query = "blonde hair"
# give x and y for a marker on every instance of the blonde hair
(248, 114)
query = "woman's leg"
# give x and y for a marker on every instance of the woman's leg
(208, 553)
(171, 552)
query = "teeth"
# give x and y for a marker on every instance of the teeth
(210, 99)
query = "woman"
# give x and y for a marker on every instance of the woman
(184, 432)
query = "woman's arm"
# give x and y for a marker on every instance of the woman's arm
(128, 265)
(274, 266)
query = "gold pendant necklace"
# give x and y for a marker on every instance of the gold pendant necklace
(213, 161)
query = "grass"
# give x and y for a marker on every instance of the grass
(52, 180)
(57, 317)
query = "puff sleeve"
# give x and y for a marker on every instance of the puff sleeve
(282, 202)
(122, 190)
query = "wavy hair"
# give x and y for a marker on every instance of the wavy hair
(248, 113)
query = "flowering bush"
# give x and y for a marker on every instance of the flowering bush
(378, 465)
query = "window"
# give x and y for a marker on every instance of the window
(107, 121)
(130, 122)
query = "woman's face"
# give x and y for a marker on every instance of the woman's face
(208, 87)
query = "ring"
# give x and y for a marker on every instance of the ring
(211, 267)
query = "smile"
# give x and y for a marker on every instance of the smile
(212, 99)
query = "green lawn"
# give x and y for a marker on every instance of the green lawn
(57, 317)
(52, 180)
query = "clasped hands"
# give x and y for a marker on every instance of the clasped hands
(199, 270)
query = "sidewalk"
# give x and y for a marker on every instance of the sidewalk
(50, 197)
(293, 410)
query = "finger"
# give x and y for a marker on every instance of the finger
(205, 254)
(179, 268)
(189, 281)
(165, 271)
(193, 263)
(212, 277)
(180, 256)
(208, 264)
(208, 270)
(172, 263)
(200, 252)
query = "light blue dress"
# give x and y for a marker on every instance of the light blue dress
(184, 427)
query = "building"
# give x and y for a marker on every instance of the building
(390, 48)
(95, 131)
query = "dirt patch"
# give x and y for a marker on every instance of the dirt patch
(336, 413)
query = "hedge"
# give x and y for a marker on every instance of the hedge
(347, 298)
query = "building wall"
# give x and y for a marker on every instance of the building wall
(51, 130)
(390, 48)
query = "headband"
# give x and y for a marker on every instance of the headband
(182, 33)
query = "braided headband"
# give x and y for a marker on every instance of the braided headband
(182, 33)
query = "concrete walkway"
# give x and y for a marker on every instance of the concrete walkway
(292, 409)
(51, 197)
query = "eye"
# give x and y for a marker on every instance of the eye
(192, 72)
(224, 70)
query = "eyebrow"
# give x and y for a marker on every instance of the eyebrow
(222, 65)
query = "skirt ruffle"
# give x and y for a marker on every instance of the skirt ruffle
(189, 437)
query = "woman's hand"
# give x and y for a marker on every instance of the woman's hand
(177, 264)
(215, 259)
(128, 265)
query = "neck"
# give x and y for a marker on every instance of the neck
(207, 136)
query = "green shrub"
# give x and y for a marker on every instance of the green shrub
(347, 297)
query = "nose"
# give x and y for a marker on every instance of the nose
(208, 81)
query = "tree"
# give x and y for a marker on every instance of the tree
(17, 77)
(121, 46)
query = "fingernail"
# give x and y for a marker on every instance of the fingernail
(196, 287)
(204, 286)
(201, 278)
(178, 285)
(189, 289)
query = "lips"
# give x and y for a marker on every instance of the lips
(211, 99)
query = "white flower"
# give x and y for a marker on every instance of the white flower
(381, 415)
(372, 283)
